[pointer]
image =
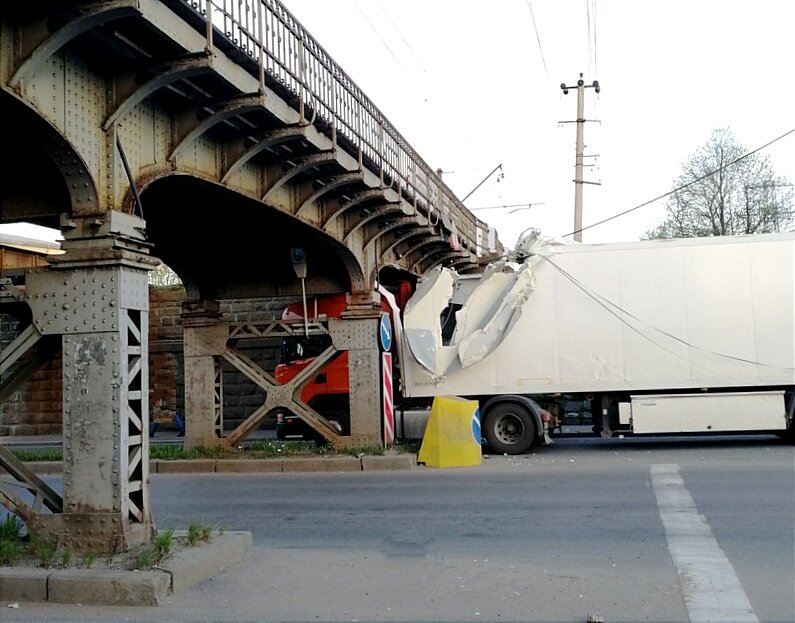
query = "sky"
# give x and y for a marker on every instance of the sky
(474, 85)
(467, 84)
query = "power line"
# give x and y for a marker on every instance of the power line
(595, 63)
(518, 206)
(590, 52)
(378, 34)
(676, 190)
(611, 308)
(538, 37)
(400, 34)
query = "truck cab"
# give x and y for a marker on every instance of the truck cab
(328, 391)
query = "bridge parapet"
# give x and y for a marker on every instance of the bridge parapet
(263, 33)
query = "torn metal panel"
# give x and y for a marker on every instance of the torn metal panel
(475, 346)
(484, 301)
(421, 324)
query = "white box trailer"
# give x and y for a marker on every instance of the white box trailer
(684, 335)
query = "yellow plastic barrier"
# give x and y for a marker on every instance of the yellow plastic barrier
(452, 435)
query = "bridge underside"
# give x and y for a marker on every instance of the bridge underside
(238, 139)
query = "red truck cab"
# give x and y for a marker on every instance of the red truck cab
(328, 392)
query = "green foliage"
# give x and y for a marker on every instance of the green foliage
(45, 552)
(171, 453)
(160, 550)
(10, 551)
(163, 277)
(145, 559)
(89, 559)
(66, 558)
(10, 528)
(38, 455)
(198, 532)
(193, 533)
(163, 544)
(261, 449)
(725, 191)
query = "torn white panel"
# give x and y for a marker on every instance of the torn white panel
(421, 324)
(479, 343)
(422, 346)
(484, 301)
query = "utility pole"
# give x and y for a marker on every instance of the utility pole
(578, 181)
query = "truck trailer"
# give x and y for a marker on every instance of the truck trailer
(658, 336)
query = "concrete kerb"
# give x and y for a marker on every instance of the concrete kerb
(248, 466)
(128, 588)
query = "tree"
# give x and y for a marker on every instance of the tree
(720, 194)
(163, 277)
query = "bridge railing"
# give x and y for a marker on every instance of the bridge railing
(266, 33)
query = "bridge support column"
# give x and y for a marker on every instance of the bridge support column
(204, 337)
(96, 296)
(359, 336)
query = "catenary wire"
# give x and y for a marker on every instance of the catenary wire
(378, 34)
(610, 307)
(538, 37)
(690, 183)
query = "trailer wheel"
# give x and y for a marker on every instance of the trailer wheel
(509, 428)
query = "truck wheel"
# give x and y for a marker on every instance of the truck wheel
(337, 417)
(509, 428)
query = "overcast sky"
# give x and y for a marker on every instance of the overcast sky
(467, 84)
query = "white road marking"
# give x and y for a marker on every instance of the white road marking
(713, 592)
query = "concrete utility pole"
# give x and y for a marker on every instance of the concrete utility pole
(578, 181)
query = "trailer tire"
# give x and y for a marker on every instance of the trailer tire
(509, 428)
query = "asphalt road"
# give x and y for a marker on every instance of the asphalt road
(632, 530)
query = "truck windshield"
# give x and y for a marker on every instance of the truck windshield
(302, 347)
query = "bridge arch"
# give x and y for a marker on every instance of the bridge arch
(224, 244)
(46, 177)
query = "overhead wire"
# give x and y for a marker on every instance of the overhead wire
(590, 52)
(683, 186)
(611, 308)
(378, 34)
(538, 37)
(595, 58)
(399, 32)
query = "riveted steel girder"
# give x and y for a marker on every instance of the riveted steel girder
(434, 257)
(232, 107)
(380, 211)
(238, 156)
(357, 199)
(417, 245)
(82, 19)
(163, 74)
(377, 232)
(280, 176)
(330, 184)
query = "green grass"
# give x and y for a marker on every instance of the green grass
(10, 528)
(263, 449)
(163, 544)
(38, 455)
(198, 532)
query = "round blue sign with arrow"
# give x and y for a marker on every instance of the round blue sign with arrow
(385, 332)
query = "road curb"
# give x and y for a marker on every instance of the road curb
(127, 588)
(196, 564)
(249, 466)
